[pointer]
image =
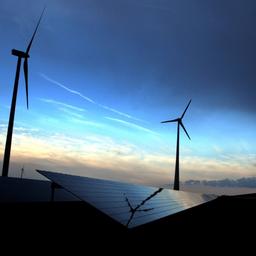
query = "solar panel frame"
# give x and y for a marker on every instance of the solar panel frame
(129, 204)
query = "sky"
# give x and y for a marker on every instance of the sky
(103, 74)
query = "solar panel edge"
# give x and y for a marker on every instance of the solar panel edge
(179, 198)
(126, 183)
(123, 224)
(98, 179)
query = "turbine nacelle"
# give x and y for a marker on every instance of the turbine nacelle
(24, 55)
(20, 54)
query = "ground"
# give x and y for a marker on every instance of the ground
(227, 221)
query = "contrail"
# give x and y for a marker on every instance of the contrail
(89, 99)
(66, 88)
(120, 113)
(132, 125)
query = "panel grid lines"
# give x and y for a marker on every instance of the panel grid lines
(129, 204)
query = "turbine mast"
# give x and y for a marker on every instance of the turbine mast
(176, 185)
(8, 143)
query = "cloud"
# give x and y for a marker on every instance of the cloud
(77, 118)
(102, 156)
(75, 155)
(87, 122)
(71, 113)
(24, 129)
(242, 182)
(131, 125)
(62, 104)
(89, 99)
(20, 129)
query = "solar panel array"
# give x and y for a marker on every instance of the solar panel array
(131, 205)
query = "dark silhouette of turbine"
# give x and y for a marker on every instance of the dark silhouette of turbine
(25, 56)
(177, 164)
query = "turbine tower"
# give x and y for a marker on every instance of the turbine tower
(179, 123)
(21, 55)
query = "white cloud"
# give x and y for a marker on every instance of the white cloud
(71, 113)
(20, 129)
(62, 104)
(87, 122)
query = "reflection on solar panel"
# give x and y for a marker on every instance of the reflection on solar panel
(131, 205)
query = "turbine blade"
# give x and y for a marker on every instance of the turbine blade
(185, 109)
(184, 129)
(25, 67)
(170, 121)
(32, 38)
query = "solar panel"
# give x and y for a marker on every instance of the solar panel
(129, 204)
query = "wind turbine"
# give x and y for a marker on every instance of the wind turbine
(22, 172)
(179, 123)
(21, 55)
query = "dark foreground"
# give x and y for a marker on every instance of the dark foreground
(227, 222)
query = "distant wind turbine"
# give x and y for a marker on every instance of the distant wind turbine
(179, 123)
(20, 55)
(22, 172)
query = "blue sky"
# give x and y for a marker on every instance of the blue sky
(104, 74)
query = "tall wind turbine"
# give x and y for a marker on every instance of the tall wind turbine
(21, 55)
(177, 165)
